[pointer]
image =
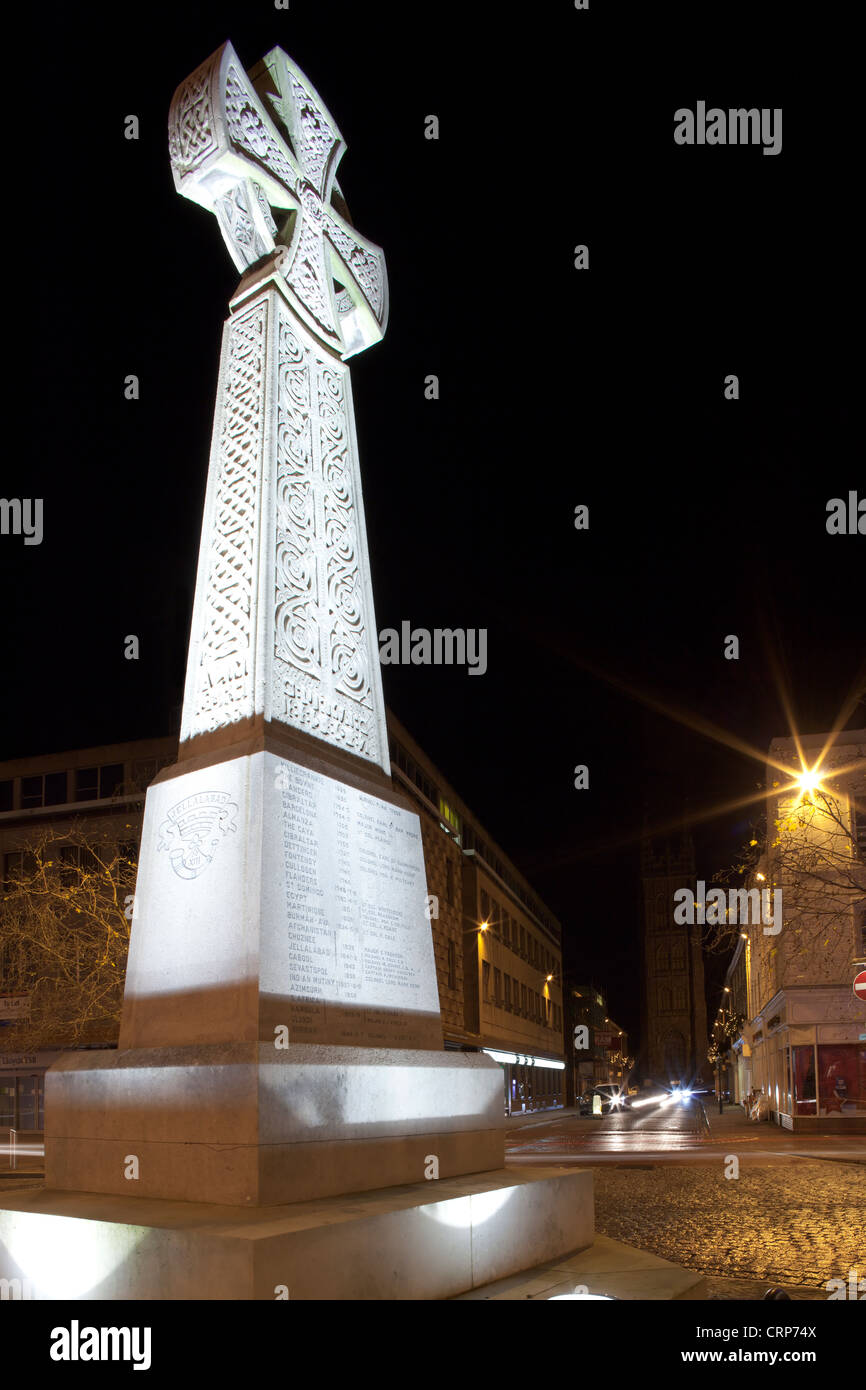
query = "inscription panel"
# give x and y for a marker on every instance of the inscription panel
(349, 945)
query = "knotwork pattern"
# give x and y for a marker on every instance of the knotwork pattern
(224, 682)
(321, 667)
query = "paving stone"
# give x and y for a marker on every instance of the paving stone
(794, 1225)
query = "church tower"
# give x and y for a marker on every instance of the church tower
(674, 1007)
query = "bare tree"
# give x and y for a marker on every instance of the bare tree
(810, 852)
(65, 919)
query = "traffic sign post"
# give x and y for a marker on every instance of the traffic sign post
(860, 985)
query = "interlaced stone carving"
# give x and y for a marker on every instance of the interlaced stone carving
(310, 660)
(191, 124)
(321, 677)
(223, 690)
(229, 156)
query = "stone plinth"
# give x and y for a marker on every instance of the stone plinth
(244, 1123)
(429, 1240)
(274, 898)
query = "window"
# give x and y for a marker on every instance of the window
(841, 1078)
(450, 816)
(449, 882)
(98, 783)
(805, 1099)
(508, 992)
(485, 978)
(44, 789)
(75, 859)
(485, 906)
(679, 999)
(87, 784)
(497, 986)
(6, 790)
(522, 942)
(143, 771)
(13, 865)
(523, 1000)
(506, 928)
(452, 966)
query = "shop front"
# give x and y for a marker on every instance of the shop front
(814, 1074)
(529, 1082)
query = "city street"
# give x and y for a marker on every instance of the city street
(788, 1212)
(690, 1132)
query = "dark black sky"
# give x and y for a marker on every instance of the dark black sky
(557, 388)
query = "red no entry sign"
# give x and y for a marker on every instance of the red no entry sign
(860, 985)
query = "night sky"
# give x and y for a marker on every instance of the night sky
(558, 387)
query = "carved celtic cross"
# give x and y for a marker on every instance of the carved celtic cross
(283, 637)
(228, 155)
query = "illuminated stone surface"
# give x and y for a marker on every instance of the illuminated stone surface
(272, 895)
(431, 1240)
(281, 1038)
(281, 894)
(245, 1124)
(283, 625)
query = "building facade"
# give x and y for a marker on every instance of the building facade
(736, 1068)
(103, 787)
(674, 1042)
(806, 1028)
(598, 1045)
(497, 947)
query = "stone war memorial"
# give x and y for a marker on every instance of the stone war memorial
(280, 1118)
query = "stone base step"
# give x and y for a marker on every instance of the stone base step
(429, 1240)
(607, 1267)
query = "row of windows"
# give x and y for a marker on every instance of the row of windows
(515, 936)
(400, 758)
(516, 997)
(465, 835)
(17, 864)
(472, 840)
(88, 784)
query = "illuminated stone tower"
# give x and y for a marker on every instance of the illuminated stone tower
(674, 1041)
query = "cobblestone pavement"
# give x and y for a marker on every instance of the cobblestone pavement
(754, 1290)
(800, 1223)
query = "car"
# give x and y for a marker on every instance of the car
(612, 1098)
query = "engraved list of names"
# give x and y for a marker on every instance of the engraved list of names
(358, 964)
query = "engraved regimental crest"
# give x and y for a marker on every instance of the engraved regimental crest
(193, 829)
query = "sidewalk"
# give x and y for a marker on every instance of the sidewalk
(539, 1117)
(733, 1117)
